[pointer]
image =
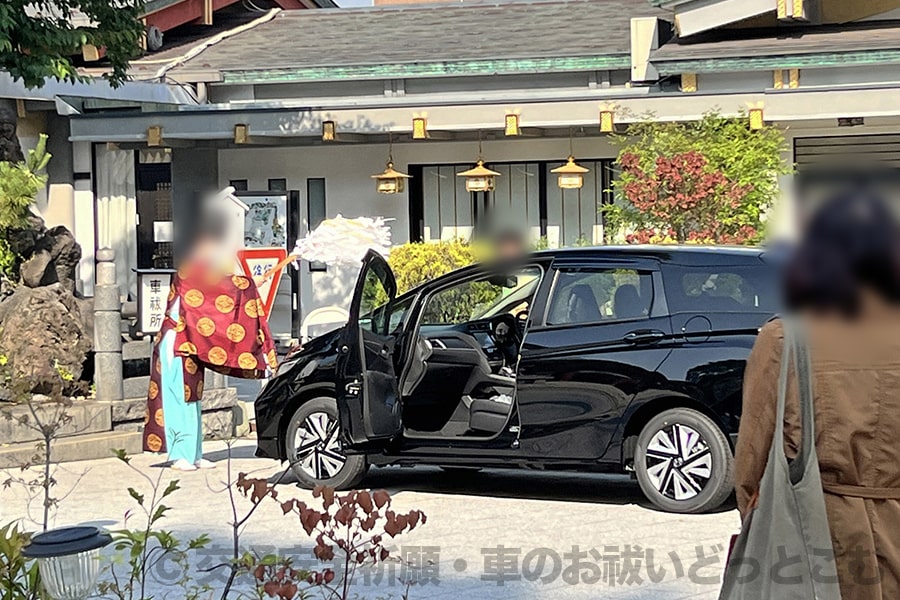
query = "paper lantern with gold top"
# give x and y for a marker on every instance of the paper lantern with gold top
(570, 176)
(479, 178)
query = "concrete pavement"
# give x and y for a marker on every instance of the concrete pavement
(491, 534)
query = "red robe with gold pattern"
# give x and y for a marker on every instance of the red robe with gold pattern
(221, 326)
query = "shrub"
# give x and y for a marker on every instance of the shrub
(18, 575)
(706, 181)
(19, 184)
(416, 263)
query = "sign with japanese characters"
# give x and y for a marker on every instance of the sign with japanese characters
(153, 295)
(256, 262)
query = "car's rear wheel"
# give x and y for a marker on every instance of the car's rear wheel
(684, 462)
(313, 448)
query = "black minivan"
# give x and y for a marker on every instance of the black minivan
(604, 359)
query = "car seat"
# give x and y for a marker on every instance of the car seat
(582, 305)
(627, 303)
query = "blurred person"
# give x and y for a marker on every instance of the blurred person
(214, 320)
(843, 283)
(509, 244)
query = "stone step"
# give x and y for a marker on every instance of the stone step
(137, 350)
(136, 387)
(82, 416)
(219, 413)
(80, 447)
(132, 410)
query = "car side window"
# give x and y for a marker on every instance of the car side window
(722, 289)
(598, 295)
(398, 312)
(482, 298)
(374, 305)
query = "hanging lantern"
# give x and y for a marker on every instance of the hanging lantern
(390, 181)
(570, 176)
(479, 178)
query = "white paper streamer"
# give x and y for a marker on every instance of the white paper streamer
(344, 241)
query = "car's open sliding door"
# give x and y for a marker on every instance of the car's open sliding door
(367, 395)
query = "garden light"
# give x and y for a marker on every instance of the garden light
(69, 560)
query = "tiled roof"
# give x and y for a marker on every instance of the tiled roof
(465, 33)
(786, 47)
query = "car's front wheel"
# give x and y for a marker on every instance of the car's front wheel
(684, 462)
(313, 448)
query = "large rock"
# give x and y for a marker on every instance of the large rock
(51, 255)
(42, 329)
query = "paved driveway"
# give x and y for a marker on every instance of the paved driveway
(492, 534)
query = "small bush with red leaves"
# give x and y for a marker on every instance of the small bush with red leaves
(350, 529)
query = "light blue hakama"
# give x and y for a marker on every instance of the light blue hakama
(183, 420)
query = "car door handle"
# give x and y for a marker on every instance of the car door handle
(647, 336)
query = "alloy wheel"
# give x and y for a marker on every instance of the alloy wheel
(679, 462)
(318, 450)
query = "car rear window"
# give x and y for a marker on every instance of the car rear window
(721, 289)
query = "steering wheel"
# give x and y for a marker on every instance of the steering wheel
(505, 333)
(504, 329)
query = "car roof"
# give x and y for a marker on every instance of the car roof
(668, 253)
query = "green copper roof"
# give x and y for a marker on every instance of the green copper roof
(795, 61)
(435, 69)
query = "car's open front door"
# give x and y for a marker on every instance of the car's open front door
(367, 395)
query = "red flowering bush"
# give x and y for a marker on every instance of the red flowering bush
(710, 181)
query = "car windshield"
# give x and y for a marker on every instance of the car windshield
(513, 297)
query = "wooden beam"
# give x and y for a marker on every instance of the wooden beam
(842, 11)
(703, 15)
(207, 18)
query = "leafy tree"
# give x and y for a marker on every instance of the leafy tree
(706, 181)
(39, 38)
(19, 184)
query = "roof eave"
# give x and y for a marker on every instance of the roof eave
(677, 66)
(130, 91)
(506, 66)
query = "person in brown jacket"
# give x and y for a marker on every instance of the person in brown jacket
(844, 283)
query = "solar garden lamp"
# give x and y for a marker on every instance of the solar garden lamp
(68, 560)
